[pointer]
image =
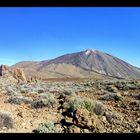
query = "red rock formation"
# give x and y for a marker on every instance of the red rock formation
(4, 69)
(18, 74)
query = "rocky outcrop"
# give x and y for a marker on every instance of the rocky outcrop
(3, 69)
(19, 74)
(15, 73)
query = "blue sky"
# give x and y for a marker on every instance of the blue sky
(45, 33)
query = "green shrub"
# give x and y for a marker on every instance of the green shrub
(112, 96)
(48, 127)
(46, 95)
(44, 100)
(134, 102)
(68, 93)
(119, 85)
(89, 105)
(136, 95)
(75, 103)
(11, 91)
(19, 100)
(84, 103)
(40, 90)
(125, 87)
(24, 90)
(111, 88)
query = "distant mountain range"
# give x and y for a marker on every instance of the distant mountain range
(89, 63)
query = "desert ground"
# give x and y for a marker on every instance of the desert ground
(70, 106)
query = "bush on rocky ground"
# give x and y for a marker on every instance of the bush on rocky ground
(68, 93)
(89, 104)
(111, 88)
(135, 95)
(112, 96)
(99, 108)
(112, 116)
(75, 103)
(19, 100)
(45, 100)
(119, 85)
(134, 102)
(125, 87)
(86, 103)
(132, 85)
(47, 95)
(40, 90)
(48, 127)
(24, 90)
(138, 97)
(11, 91)
(32, 93)
(6, 119)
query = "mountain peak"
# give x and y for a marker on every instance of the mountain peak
(85, 63)
(88, 51)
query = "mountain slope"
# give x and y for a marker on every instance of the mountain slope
(81, 63)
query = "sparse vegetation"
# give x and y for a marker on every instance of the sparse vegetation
(24, 90)
(119, 85)
(44, 100)
(75, 102)
(135, 95)
(19, 100)
(134, 102)
(88, 104)
(48, 127)
(111, 88)
(112, 96)
(110, 116)
(40, 90)
(11, 91)
(6, 119)
(68, 93)
(99, 108)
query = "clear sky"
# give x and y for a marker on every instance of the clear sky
(46, 33)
